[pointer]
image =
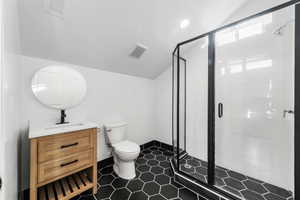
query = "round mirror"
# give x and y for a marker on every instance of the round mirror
(59, 87)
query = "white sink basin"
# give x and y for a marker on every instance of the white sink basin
(61, 128)
(65, 126)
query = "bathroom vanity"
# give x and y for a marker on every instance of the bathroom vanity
(63, 161)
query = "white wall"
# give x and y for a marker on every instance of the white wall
(163, 107)
(10, 100)
(110, 97)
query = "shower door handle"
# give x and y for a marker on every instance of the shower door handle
(287, 112)
(220, 110)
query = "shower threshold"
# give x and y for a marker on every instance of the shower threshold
(233, 182)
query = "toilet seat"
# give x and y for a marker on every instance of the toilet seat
(126, 147)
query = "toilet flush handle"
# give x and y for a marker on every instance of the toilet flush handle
(108, 130)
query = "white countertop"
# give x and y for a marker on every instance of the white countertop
(35, 132)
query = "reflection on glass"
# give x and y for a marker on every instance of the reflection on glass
(259, 64)
(236, 68)
(224, 37)
(247, 29)
(254, 27)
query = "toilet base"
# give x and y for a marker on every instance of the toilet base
(125, 170)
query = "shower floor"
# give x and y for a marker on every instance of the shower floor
(234, 182)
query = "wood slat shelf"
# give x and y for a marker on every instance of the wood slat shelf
(66, 188)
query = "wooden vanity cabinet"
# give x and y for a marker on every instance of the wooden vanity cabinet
(63, 165)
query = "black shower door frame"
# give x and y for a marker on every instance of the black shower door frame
(211, 99)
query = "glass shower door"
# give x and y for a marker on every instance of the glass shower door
(254, 104)
(194, 88)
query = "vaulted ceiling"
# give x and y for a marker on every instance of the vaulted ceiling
(102, 33)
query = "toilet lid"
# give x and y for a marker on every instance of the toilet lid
(127, 147)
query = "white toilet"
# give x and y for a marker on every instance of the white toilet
(124, 151)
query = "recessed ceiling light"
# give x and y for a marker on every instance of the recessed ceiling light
(184, 23)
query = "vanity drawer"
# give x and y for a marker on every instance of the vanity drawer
(58, 146)
(56, 168)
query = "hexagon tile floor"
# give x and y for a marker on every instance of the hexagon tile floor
(154, 181)
(236, 183)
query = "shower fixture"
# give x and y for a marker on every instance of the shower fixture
(279, 31)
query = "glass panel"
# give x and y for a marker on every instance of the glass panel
(174, 102)
(254, 107)
(195, 56)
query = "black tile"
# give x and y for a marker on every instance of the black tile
(146, 151)
(151, 188)
(234, 183)
(176, 184)
(169, 191)
(221, 173)
(231, 190)
(104, 192)
(168, 188)
(157, 170)
(204, 164)
(255, 180)
(199, 177)
(168, 172)
(106, 179)
(149, 144)
(254, 186)
(162, 179)
(237, 175)
(201, 170)
(146, 177)
(149, 156)
(168, 153)
(152, 162)
(141, 155)
(119, 183)
(144, 168)
(106, 170)
(167, 146)
(157, 197)
(194, 163)
(186, 194)
(138, 196)
(106, 162)
(272, 196)
(219, 182)
(161, 158)
(277, 190)
(120, 194)
(141, 161)
(137, 174)
(153, 148)
(186, 169)
(135, 185)
(165, 164)
(201, 198)
(249, 195)
(156, 152)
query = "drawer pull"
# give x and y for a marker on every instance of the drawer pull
(69, 163)
(69, 145)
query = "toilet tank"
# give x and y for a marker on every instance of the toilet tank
(116, 132)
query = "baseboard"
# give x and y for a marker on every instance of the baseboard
(24, 195)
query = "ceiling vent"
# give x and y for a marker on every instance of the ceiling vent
(55, 7)
(138, 51)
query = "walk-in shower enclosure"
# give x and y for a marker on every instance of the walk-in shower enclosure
(235, 96)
